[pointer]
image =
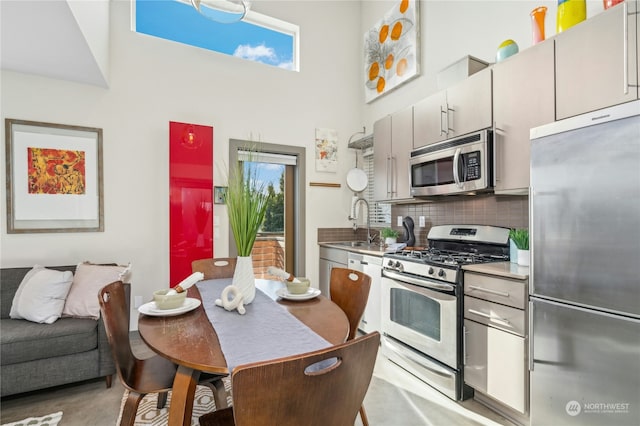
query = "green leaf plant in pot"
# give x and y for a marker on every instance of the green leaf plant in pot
(520, 238)
(390, 235)
(247, 199)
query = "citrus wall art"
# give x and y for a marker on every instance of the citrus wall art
(54, 178)
(391, 50)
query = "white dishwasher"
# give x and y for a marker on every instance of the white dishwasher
(372, 266)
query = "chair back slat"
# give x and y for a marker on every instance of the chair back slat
(349, 289)
(213, 268)
(113, 307)
(281, 393)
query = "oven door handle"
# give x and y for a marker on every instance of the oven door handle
(456, 161)
(418, 282)
(415, 358)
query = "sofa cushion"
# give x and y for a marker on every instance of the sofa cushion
(41, 295)
(22, 341)
(82, 301)
(10, 279)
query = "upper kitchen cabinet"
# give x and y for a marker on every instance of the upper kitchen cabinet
(462, 108)
(596, 62)
(523, 97)
(392, 144)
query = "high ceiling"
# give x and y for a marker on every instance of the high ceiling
(45, 38)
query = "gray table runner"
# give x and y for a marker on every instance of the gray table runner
(266, 331)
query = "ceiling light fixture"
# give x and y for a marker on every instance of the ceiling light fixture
(222, 11)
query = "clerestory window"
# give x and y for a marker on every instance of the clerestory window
(257, 37)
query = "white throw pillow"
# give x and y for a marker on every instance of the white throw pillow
(82, 301)
(41, 295)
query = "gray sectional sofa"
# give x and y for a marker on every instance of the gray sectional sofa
(36, 356)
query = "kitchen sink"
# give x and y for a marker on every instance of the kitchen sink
(363, 244)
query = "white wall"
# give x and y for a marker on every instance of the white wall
(153, 82)
(452, 29)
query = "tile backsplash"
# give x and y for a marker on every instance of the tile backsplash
(507, 211)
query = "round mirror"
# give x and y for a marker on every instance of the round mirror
(357, 180)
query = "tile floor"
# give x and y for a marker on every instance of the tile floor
(395, 398)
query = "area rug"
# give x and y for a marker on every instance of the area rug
(148, 413)
(48, 420)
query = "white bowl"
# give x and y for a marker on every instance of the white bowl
(298, 288)
(172, 301)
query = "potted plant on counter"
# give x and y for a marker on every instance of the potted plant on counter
(390, 235)
(520, 238)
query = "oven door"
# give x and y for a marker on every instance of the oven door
(453, 166)
(421, 318)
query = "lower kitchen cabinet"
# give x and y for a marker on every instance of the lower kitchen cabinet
(372, 266)
(495, 336)
(330, 258)
(495, 364)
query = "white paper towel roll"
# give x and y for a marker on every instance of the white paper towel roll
(354, 211)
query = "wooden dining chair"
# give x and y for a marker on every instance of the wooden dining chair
(287, 392)
(349, 289)
(213, 268)
(139, 376)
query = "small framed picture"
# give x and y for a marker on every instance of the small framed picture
(54, 177)
(219, 194)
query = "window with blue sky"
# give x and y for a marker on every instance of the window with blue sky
(257, 38)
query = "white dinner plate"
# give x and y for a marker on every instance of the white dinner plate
(151, 309)
(310, 294)
(357, 180)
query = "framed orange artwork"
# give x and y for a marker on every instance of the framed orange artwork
(391, 50)
(54, 177)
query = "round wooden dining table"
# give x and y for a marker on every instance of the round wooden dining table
(191, 342)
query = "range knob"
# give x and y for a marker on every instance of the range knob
(398, 264)
(390, 263)
(430, 270)
(441, 273)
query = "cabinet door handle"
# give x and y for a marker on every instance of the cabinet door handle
(449, 109)
(388, 177)
(497, 154)
(442, 112)
(488, 290)
(394, 180)
(491, 317)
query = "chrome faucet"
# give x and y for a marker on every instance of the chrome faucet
(370, 239)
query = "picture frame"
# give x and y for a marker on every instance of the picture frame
(54, 177)
(392, 50)
(219, 194)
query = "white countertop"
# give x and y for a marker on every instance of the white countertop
(372, 249)
(503, 269)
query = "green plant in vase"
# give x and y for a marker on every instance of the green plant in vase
(247, 199)
(390, 235)
(520, 238)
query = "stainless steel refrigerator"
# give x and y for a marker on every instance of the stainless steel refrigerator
(584, 311)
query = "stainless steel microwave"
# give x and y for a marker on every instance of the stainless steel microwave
(455, 166)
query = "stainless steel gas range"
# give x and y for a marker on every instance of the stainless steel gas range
(422, 297)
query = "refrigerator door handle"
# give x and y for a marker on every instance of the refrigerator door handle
(530, 354)
(532, 193)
